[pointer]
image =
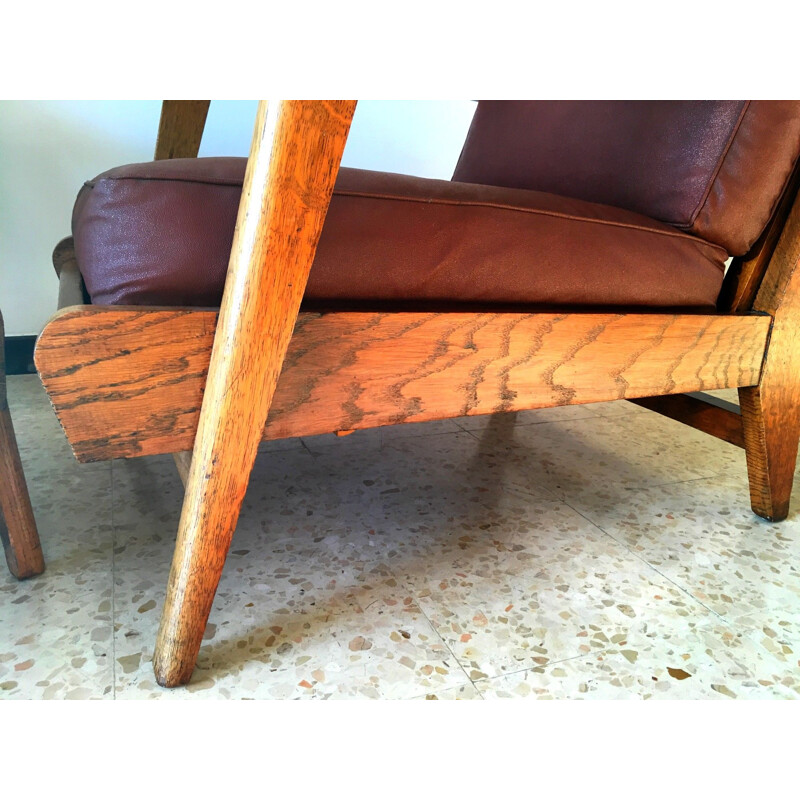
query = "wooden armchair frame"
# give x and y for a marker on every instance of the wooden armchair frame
(128, 381)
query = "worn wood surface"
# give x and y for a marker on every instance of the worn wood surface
(128, 381)
(771, 410)
(18, 531)
(183, 461)
(295, 156)
(180, 129)
(720, 422)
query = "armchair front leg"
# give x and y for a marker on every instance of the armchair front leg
(295, 156)
(771, 410)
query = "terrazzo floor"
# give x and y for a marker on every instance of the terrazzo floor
(595, 551)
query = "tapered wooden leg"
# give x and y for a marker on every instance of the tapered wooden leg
(297, 148)
(771, 410)
(18, 527)
(771, 432)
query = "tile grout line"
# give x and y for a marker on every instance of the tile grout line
(564, 499)
(305, 447)
(436, 631)
(543, 667)
(748, 632)
(460, 686)
(447, 647)
(678, 483)
(499, 676)
(652, 566)
(724, 621)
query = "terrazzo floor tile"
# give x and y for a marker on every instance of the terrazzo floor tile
(742, 568)
(707, 661)
(778, 636)
(56, 628)
(633, 450)
(298, 613)
(57, 638)
(574, 552)
(465, 692)
(500, 623)
(295, 625)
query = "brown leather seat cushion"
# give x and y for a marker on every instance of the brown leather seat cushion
(160, 233)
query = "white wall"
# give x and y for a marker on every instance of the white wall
(48, 148)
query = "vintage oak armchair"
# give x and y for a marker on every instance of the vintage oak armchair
(577, 256)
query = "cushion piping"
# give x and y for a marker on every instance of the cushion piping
(540, 212)
(718, 169)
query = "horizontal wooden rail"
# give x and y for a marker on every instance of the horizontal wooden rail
(705, 415)
(128, 381)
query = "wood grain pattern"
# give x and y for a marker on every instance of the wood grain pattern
(295, 156)
(18, 531)
(137, 385)
(771, 410)
(146, 368)
(700, 414)
(180, 128)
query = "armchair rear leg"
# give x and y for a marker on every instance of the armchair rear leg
(771, 431)
(297, 148)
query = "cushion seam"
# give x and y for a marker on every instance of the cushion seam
(92, 184)
(446, 201)
(720, 163)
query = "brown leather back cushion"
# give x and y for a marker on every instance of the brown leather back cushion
(160, 233)
(712, 168)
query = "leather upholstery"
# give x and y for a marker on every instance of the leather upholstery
(160, 234)
(712, 168)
